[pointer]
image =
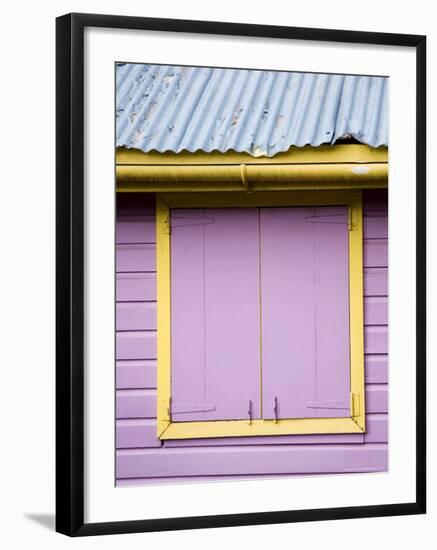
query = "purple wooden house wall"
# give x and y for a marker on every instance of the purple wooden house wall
(142, 458)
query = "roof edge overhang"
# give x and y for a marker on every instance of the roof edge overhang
(325, 167)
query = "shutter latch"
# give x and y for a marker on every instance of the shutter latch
(276, 410)
(250, 411)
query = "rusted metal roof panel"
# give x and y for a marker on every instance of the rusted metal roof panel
(170, 108)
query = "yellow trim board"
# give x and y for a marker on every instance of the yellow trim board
(181, 430)
(163, 313)
(356, 310)
(261, 199)
(239, 428)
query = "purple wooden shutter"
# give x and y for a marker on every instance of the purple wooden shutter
(305, 312)
(215, 314)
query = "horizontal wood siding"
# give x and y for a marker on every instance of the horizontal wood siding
(136, 287)
(136, 316)
(136, 403)
(138, 344)
(136, 374)
(142, 458)
(376, 315)
(136, 229)
(256, 460)
(376, 369)
(136, 433)
(375, 281)
(136, 323)
(135, 258)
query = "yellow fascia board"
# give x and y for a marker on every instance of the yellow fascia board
(184, 430)
(324, 154)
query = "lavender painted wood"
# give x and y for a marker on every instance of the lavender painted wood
(376, 369)
(257, 460)
(136, 404)
(376, 225)
(377, 398)
(146, 481)
(375, 339)
(136, 433)
(232, 313)
(135, 230)
(187, 313)
(305, 311)
(135, 257)
(136, 316)
(375, 253)
(376, 428)
(266, 440)
(136, 287)
(376, 310)
(136, 345)
(136, 374)
(375, 281)
(150, 481)
(215, 314)
(287, 286)
(331, 277)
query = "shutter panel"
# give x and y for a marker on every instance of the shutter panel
(305, 312)
(215, 314)
(331, 245)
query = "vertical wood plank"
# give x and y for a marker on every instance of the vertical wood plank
(305, 312)
(288, 314)
(187, 314)
(215, 314)
(232, 313)
(331, 294)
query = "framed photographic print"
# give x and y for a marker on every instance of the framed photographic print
(240, 274)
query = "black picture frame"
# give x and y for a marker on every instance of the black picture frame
(70, 273)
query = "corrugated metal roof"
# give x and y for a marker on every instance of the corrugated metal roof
(169, 108)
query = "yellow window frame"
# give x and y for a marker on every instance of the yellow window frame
(166, 429)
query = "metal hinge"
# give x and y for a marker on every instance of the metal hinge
(355, 404)
(351, 219)
(166, 406)
(339, 404)
(185, 221)
(166, 229)
(181, 408)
